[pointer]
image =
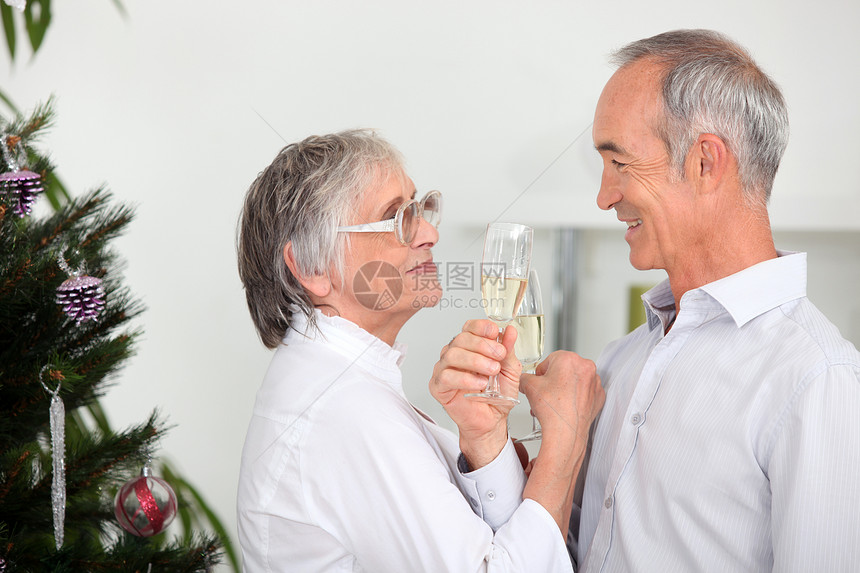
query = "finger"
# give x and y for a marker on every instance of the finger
(509, 378)
(482, 327)
(543, 366)
(559, 356)
(546, 364)
(448, 384)
(457, 358)
(445, 348)
(509, 337)
(528, 385)
(473, 366)
(478, 344)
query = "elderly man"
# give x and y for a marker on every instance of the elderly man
(730, 436)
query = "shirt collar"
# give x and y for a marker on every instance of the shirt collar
(659, 306)
(762, 287)
(744, 295)
(352, 340)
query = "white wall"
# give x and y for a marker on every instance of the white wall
(178, 107)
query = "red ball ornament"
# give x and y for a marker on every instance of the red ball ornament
(145, 505)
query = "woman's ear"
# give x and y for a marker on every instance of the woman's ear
(317, 285)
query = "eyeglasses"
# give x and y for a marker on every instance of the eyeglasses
(406, 221)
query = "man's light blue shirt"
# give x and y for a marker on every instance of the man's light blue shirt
(732, 442)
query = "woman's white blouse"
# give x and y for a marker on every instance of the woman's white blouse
(340, 473)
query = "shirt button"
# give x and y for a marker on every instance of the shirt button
(608, 503)
(491, 495)
(635, 419)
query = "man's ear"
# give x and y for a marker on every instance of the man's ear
(317, 285)
(710, 160)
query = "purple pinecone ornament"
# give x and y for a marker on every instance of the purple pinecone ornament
(21, 186)
(82, 298)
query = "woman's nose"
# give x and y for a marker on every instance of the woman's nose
(426, 236)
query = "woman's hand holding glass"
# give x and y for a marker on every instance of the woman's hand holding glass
(463, 367)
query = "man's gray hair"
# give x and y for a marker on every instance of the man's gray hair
(710, 84)
(309, 190)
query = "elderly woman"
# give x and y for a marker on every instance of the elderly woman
(339, 471)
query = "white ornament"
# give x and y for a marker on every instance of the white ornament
(58, 454)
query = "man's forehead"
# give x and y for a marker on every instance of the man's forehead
(631, 96)
(639, 81)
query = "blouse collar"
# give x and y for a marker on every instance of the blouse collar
(349, 338)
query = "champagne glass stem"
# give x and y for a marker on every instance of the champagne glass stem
(492, 393)
(493, 386)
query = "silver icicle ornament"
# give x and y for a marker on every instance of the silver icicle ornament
(58, 454)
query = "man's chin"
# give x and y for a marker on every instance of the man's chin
(639, 264)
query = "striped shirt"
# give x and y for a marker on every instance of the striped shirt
(732, 443)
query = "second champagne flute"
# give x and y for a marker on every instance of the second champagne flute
(530, 336)
(504, 274)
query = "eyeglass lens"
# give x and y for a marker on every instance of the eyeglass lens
(409, 216)
(432, 209)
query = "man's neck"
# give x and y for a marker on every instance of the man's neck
(725, 256)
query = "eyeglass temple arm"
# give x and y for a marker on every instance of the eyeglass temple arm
(379, 226)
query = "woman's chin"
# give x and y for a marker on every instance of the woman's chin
(427, 298)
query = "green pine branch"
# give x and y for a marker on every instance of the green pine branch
(40, 344)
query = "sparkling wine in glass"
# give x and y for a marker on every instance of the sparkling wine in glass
(504, 275)
(529, 323)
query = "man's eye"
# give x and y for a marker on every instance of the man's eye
(618, 164)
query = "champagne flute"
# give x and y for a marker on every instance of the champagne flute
(504, 274)
(530, 335)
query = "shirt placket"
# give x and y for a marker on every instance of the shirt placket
(634, 418)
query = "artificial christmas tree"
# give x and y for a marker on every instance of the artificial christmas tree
(64, 333)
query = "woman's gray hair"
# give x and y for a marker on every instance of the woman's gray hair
(309, 190)
(710, 84)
